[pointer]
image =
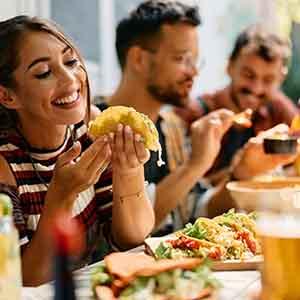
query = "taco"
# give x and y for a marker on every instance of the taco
(132, 276)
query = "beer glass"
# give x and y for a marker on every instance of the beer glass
(280, 238)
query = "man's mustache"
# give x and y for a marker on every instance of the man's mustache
(187, 80)
(247, 92)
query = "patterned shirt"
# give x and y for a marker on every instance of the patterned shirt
(33, 170)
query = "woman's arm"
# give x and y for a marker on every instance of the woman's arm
(68, 180)
(133, 217)
(36, 255)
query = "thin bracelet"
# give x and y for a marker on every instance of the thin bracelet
(137, 194)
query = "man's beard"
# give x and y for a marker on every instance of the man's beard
(167, 96)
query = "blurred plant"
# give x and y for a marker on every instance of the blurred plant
(289, 19)
(288, 12)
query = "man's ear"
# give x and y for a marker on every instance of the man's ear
(137, 59)
(283, 74)
(7, 98)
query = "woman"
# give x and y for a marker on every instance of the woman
(48, 164)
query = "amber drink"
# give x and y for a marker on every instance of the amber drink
(280, 236)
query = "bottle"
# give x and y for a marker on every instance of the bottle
(10, 263)
(68, 244)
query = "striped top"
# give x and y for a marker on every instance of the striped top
(33, 170)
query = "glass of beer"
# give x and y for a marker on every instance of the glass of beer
(280, 238)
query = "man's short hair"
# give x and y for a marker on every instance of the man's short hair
(266, 44)
(146, 20)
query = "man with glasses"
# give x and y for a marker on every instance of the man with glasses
(157, 47)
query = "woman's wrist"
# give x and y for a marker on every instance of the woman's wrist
(59, 198)
(129, 171)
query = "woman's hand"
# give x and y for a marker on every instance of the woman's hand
(72, 175)
(128, 151)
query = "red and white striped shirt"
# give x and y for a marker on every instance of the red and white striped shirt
(33, 170)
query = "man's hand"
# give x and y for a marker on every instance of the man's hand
(206, 135)
(252, 160)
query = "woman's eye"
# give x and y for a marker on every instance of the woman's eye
(72, 62)
(43, 75)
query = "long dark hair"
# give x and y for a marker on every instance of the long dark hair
(11, 33)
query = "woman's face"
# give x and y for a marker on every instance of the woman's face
(51, 85)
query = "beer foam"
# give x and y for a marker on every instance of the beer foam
(284, 226)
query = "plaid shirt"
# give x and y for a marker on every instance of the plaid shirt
(33, 171)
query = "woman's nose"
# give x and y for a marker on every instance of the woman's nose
(67, 77)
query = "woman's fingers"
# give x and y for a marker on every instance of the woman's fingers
(129, 148)
(101, 162)
(118, 146)
(69, 155)
(142, 153)
(92, 152)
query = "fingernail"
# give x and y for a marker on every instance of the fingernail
(128, 129)
(76, 144)
(138, 138)
(120, 127)
(102, 139)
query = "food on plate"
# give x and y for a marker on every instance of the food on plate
(280, 143)
(244, 118)
(137, 276)
(226, 237)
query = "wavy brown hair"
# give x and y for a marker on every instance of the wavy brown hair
(12, 32)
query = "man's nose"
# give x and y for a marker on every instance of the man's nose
(257, 88)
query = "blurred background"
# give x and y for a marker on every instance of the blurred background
(91, 25)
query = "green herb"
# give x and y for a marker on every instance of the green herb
(138, 284)
(100, 276)
(194, 231)
(163, 251)
(165, 282)
(253, 215)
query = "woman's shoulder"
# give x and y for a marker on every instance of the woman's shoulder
(6, 175)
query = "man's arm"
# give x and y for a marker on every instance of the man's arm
(248, 162)
(173, 189)
(206, 136)
(284, 108)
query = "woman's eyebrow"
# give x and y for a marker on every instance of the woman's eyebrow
(46, 58)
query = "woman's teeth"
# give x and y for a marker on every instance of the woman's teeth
(67, 100)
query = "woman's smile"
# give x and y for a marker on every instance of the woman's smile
(69, 101)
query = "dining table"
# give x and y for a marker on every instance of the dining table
(236, 285)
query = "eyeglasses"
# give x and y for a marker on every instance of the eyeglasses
(187, 60)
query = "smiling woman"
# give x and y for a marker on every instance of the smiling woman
(49, 162)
